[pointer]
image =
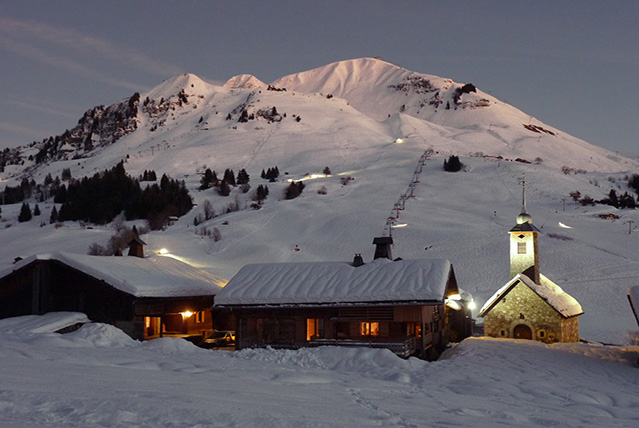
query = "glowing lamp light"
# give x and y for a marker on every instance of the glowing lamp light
(163, 252)
(399, 141)
(564, 226)
(454, 297)
(186, 314)
(472, 305)
(453, 304)
(395, 226)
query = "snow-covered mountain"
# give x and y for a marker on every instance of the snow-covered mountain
(384, 133)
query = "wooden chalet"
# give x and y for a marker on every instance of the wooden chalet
(145, 297)
(399, 305)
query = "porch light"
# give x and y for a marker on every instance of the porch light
(163, 252)
(472, 305)
(186, 314)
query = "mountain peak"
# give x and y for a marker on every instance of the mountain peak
(186, 82)
(244, 81)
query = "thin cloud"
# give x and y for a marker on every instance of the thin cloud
(22, 131)
(41, 107)
(63, 63)
(85, 44)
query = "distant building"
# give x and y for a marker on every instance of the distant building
(145, 297)
(399, 305)
(529, 305)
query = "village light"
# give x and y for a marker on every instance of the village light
(186, 314)
(564, 226)
(472, 305)
(163, 252)
(308, 177)
(399, 141)
(395, 226)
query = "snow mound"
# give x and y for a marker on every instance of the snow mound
(102, 335)
(379, 364)
(172, 346)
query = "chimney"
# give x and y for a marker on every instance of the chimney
(136, 245)
(357, 260)
(383, 247)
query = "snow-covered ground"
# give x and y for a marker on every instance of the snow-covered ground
(99, 377)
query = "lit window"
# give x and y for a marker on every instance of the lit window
(311, 328)
(369, 328)
(521, 248)
(199, 317)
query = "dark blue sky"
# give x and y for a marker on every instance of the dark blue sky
(571, 64)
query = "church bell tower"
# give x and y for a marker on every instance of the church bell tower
(524, 247)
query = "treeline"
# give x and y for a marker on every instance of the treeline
(101, 198)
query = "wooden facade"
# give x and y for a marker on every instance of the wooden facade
(44, 286)
(418, 330)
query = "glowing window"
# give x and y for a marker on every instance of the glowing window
(521, 248)
(369, 328)
(199, 317)
(311, 328)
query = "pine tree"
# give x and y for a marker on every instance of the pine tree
(36, 210)
(25, 213)
(208, 180)
(326, 171)
(294, 190)
(229, 177)
(54, 215)
(242, 177)
(225, 188)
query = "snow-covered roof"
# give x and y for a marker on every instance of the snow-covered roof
(633, 296)
(337, 282)
(47, 323)
(140, 277)
(558, 299)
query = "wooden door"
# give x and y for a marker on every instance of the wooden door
(522, 331)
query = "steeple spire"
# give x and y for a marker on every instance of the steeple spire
(523, 216)
(524, 251)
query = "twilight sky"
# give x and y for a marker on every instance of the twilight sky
(572, 63)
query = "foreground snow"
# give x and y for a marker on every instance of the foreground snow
(98, 376)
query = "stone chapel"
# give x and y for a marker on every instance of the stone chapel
(529, 305)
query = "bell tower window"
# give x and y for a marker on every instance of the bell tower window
(521, 248)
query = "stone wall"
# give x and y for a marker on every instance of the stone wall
(523, 306)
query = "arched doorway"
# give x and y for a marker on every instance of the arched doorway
(522, 331)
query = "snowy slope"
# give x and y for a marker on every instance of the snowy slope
(99, 377)
(463, 217)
